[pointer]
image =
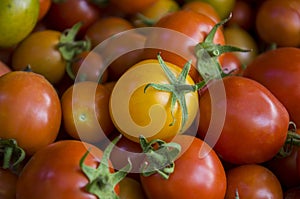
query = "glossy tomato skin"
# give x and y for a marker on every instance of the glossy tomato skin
(137, 112)
(65, 14)
(255, 122)
(17, 20)
(30, 110)
(252, 181)
(44, 58)
(85, 111)
(193, 177)
(8, 183)
(278, 70)
(278, 22)
(56, 172)
(194, 25)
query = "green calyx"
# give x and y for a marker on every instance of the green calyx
(292, 140)
(69, 47)
(11, 154)
(102, 182)
(177, 87)
(160, 157)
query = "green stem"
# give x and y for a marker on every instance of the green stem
(12, 154)
(160, 157)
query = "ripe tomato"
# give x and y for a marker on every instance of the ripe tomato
(279, 70)
(278, 22)
(137, 112)
(17, 20)
(57, 172)
(202, 8)
(198, 173)
(84, 108)
(30, 110)
(131, 7)
(187, 28)
(113, 25)
(236, 36)
(65, 14)
(4, 68)
(255, 123)
(44, 58)
(8, 183)
(44, 8)
(252, 182)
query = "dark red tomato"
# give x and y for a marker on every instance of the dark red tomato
(198, 173)
(131, 7)
(90, 66)
(253, 123)
(8, 183)
(178, 49)
(292, 193)
(243, 15)
(279, 70)
(65, 14)
(54, 172)
(113, 25)
(44, 8)
(30, 110)
(4, 68)
(277, 22)
(252, 182)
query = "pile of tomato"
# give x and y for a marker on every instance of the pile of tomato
(149, 99)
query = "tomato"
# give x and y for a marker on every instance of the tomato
(4, 68)
(131, 7)
(44, 58)
(113, 25)
(56, 172)
(137, 112)
(230, 63)
(8, 183)
(252, 182)
(90, 65)
(202, 8)
(131, 189)
(187, 28)
(278, 70)
(223, 7)
(278, 22)
(236, 36)
(198, 173)
(85, 111)
(17, 20)
(65, 14)
(44, 8)
(153, 13)
(30, 110)
(254, 124)
(243, 15)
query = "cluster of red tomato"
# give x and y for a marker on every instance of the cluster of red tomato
(200, 115)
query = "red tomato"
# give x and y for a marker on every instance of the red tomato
(65, 14)
(86, 112)
(230, 63)
(56, 172)
(278, 70)
(30, 110)
(131, 7)
(277, 22)
(252, 182)
(8, 183)
(191, 28)
(254, 124)
(44, 8)
(194, 177)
